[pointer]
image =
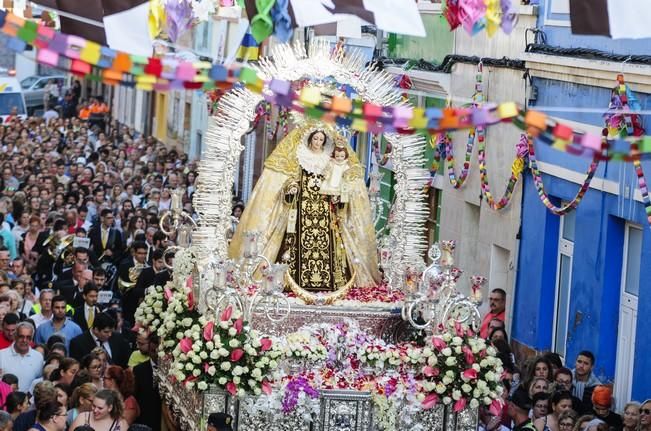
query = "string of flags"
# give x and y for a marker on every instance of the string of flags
(99, 63)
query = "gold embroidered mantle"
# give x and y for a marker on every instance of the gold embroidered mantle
(268, 212)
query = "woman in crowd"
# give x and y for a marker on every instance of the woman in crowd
(631, 420)
(561, 402)
(51, 417)
(107, 413)
(122, 380)
(67, 371)
(63, 393)
(81, 401)
(540, 403)
(567, 420)
(17, 403)
(645, 416)
(538, 384)
(91, 370)
(29, 255)
(541, 368)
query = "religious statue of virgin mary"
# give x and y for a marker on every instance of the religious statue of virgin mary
(328, 242)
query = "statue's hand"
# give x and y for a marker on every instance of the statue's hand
(292, 190)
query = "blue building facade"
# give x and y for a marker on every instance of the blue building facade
(582, 279)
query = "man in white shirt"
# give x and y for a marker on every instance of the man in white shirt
(21, 360)
(50, 115)
(43, 308)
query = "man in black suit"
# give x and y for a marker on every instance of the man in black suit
(102, 335)
(147, 393)
(85, 314)
(138, 258)
(72, 289)
(147, 277)
(105, 240)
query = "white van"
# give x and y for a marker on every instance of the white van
(12, 100)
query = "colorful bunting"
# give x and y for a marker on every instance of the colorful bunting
(117, 67)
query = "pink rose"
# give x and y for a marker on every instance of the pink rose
(238, 325)
(496, 407)
(470, 374)
(430, 401)
(231, 388)
(168, 294)
(208, 331)
(206, 365)
(266, 387)
(430, 371)
(458, 329)
(236, 355)
(226, 314)
(439, 343)
(188, 283)
(470, 357)
(459, 405)
(266, 344)
(186, 345)
(190, 301)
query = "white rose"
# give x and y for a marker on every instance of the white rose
(476, 367)
(474, 403)
(447, 400)
(189, 366)
(214, 354)
(203, 355)
(236, 380)
(466, 388)
(237, 371)
(222, 381)
(187, 322)
(447, 337)
(256, 374)
(457, 341)
(212, 370)
(234, 343)
(210, 345)
(202, 386)
(456, 394)
(447, 351)
(440, 388)
(196, 359)
(196, 372)
(450, 361)
(223, 352)
(457, 350)
(225, 366)
(447, 380)
(257, 391)
(224, 325)
(189, 385)
(232, 332)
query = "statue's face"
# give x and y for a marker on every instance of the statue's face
(318, 141)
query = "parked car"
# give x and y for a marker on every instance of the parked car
(34, 90)
(11, 98)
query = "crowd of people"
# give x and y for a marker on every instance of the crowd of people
(544, 394)
(81, 200)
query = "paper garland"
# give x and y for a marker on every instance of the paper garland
(478, 133)
(517, 167)
(621, 124)
(477, 15)
(544, 197)
(102, 64)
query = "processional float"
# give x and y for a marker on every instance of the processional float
(233, 339)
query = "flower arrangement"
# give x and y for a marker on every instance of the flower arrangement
(462, 370)
(151, 310)
(224, 353)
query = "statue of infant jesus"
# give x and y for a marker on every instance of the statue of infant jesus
(335, 183)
